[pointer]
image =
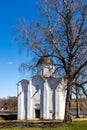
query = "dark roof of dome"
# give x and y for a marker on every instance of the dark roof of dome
(44, 60)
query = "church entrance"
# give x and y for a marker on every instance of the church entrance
(37, 113)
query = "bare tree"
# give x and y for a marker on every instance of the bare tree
(9, 103)
(60, 34)
(79, 88)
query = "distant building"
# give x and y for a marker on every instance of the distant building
(43, 96)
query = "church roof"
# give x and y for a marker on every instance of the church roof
(23, 80)
(44, 60)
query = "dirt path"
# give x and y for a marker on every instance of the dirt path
(80, 119)
(34, 122)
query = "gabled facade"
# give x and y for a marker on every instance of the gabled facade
(42, 98)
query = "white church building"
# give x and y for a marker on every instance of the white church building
(43, 96)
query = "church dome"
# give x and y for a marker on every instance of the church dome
(45, 60)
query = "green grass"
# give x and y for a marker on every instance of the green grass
(1, 118)
(80, 125)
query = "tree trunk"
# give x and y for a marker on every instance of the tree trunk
(68, 117)
(77, 103)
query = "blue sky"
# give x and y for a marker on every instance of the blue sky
(10, 11)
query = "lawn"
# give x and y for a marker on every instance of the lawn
(80, 125)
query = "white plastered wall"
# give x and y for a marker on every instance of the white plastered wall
(49, 94)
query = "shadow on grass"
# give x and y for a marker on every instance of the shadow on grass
(9, 117)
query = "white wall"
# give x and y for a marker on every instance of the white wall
(49, 93)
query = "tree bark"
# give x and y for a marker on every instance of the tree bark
(77, 103)
(68, 117)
